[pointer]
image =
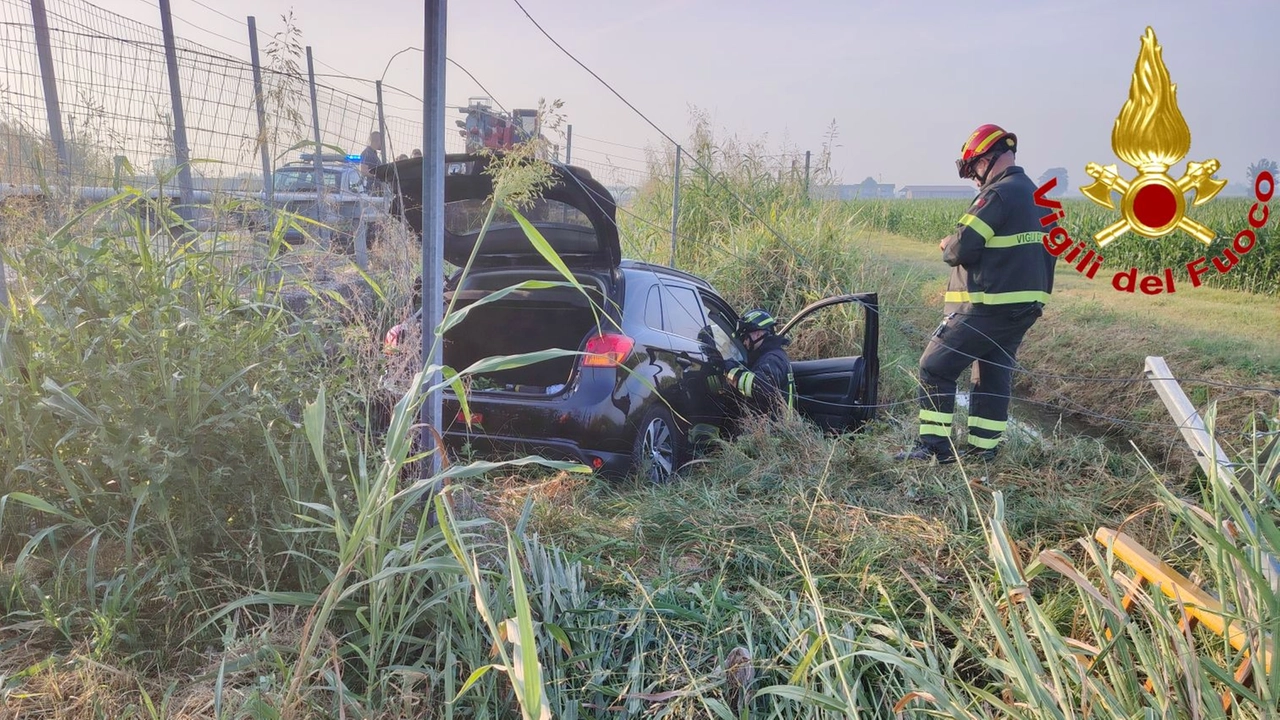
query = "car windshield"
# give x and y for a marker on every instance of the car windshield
(465, 217)
(303, 180)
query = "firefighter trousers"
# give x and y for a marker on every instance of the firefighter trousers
(990, 343)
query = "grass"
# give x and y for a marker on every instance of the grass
(248, 548)
(1258, 271)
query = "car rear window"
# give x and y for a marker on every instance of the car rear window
(466, 217)
(302, 180)
(653, 309)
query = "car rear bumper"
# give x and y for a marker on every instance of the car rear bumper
(582, 425)
(607, 464)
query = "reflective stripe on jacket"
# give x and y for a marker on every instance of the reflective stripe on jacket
(769, 382)
(997, 253)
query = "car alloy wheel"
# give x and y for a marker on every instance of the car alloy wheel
(658, 451)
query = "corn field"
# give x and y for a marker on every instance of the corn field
(1257, 272)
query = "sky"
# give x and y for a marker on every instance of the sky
(904, 82)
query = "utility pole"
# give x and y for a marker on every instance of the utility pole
(433, 60)
(568, 146)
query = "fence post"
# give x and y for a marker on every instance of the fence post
(675, 207)
(180, 148)
(4, 294)
(382, 125)
(52, 108)
(268, 191)
(433, 76)
(318, 160)
(807, 154)
(568, 146)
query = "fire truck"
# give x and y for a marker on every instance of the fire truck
(485, 127)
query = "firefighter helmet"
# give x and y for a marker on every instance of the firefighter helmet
(987, 140)
(756, 319)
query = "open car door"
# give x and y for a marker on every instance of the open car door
(839, 394)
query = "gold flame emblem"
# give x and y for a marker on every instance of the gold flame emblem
(1151, 135)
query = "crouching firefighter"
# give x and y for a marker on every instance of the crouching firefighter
(766, 381)
(1001, 278)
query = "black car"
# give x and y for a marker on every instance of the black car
(649, 383)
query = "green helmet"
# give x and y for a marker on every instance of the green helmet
(756, 319)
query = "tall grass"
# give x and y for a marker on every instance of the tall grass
(197, 520)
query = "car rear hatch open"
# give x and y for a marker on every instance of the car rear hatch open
(576, 215)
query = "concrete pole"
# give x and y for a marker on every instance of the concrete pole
(260, 99)
(181, 150)
(568, 146)
(382, 125)
(318, 161)
(807, 155)
(433, 74)
(675, 206)
(52, 108)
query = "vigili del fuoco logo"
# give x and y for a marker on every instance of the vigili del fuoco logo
(1150, 135)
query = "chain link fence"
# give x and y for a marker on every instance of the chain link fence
(116, 115)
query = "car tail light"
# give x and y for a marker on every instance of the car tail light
(597, 463)
(607, 350)
(476, 418)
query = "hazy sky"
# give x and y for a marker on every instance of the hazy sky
(905, 82)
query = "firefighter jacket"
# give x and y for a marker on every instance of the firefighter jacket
(766, 382)
(997, 253)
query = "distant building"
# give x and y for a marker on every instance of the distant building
(868, 189)
(920, 192)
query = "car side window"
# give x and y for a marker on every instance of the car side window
(681, 311)
(723, 334)
(653, 309)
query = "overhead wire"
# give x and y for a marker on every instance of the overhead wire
(610, 142)
(715, 176)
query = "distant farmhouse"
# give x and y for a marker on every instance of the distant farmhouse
(920, 192)
(868, 189)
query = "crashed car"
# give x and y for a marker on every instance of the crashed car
(648, 384)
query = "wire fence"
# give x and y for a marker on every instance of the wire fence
(117, 115)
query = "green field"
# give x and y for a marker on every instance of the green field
(195, 520)
(1257, 272)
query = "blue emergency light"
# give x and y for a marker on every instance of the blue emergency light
(331, 157)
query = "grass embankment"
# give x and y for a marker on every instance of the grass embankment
(1084, 359)
(787, 575)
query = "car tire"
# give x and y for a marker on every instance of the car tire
(661, 447)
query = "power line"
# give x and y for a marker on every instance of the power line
(611, 156)
(653, 125)
(201, 28)
(608, 142)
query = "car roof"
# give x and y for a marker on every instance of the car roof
(641, 266)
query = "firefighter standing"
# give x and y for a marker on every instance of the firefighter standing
(766, 381)
(1001, 278)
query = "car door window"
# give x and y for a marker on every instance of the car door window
(681, 312)
(722, 333)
